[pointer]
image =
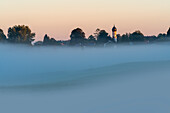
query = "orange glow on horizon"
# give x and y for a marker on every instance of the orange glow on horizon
(59, 18)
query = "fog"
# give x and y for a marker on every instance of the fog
(118, 79)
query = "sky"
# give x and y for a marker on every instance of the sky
(58, 18)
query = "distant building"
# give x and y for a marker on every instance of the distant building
(114, 34)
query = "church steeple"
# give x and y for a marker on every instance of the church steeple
(114, 28)
(114, 33)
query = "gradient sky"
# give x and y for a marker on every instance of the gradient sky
(57, 18)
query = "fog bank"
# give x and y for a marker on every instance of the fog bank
(90, 80)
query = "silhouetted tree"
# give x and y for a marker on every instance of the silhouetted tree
(20, 34)
(136, 36)
(103, 37)
(162, 35)
(168, 33)
(91, 38)
(77, 37)
(124, 38)
(2, 36)
(53, 41)
(150, 38)
(48, 41)
(91, 41)
(96, 33)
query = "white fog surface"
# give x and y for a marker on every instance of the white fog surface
(119, 79)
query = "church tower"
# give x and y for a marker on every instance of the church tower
(114, 34)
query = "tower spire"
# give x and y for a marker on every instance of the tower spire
(114, 33)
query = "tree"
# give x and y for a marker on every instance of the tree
(46, 40)
(50, 41)
(162, 35)
(96, 33)
(77, 36)
(136, 36)
(150, 38)
(20, 34)
(91, 38)
(168, 33)
(2, 36)
(124, 38)
(53, 41)
(103, 37)
(91, 41)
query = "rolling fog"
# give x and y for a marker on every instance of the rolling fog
(119, 79)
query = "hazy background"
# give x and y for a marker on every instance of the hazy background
(58, 17)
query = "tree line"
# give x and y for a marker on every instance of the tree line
(21, 34)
